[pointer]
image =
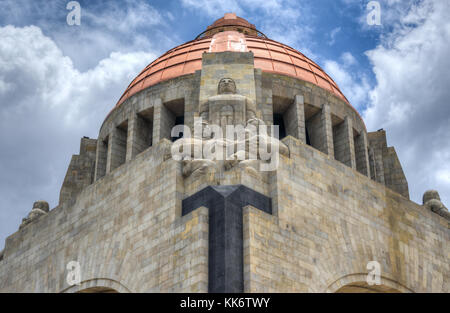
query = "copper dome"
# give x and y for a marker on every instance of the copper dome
(269, 55)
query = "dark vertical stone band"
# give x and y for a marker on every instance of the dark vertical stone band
(226, 255)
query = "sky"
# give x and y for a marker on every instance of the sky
(58, 82)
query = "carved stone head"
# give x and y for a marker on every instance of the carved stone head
(432, 201)
(41, 205)
(226, 86)
(430, 195)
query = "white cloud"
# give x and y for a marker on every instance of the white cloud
(132, 15)
(348, 59)
(212, 8)
(333, 35)
(106, 26)
(286, 21)
(352, 83)
(46, 106)
(411, 98)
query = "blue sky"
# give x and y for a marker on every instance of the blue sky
(168, 23)
(58, 82)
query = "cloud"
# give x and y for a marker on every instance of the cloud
(410, 95)
(212, 8)
(106, 26)
(287, 21)
(124, 17)
(333, 35)
(352, 82)
(46, 106)
(411, 98)
(348, 59)
(394, 14)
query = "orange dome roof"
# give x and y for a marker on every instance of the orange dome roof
(269, 55)
(230, 19)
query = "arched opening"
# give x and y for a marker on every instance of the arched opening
(363, 287)
(98, 285)
(98, 290)
(356, 283)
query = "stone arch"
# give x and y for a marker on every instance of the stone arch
(356, 283)
(98, 285)
(98, 290)
(333, 269)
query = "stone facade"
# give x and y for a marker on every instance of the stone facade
(386, 167)
(331, 221)
(80, 173)
(338, 200)
(132, 237)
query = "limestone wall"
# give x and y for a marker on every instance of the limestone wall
(80, 173)
(124, 232)
(387, 167)
(328, 222)
(331, 222)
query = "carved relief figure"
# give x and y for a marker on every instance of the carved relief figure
(226, 86)
(432, 201)
(39, 208)
(229, 108)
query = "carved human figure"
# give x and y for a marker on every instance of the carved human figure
(226, 116)
(196, 168)
(228, 107)
(432, 201)
(226, 86)
(270, 141)
(39, 208)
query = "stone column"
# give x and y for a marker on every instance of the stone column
(351, 141)
(157, 121)
(108, 154)
(361, 154)
(116, 149)
(101, 158)
(131, 137)
(267, 112)
(301, 126)
(327, 131)
(139, 135)
(321, 131)
(344, 147)
(377, 141)
(294, 119)
(163, 122)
